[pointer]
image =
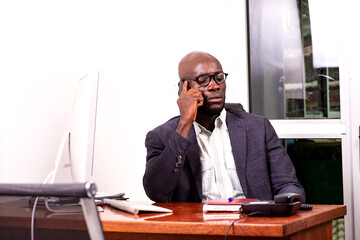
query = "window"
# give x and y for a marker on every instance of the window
(294, 80)
(318, 168)
(289, 75)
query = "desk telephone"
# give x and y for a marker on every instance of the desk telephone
(285, 204)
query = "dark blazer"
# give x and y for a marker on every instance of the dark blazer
(173, 167)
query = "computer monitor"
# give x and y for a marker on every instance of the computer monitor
(82, 132)
(79, 141)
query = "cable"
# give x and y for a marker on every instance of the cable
(247, 215)
(34, 207)
(33, 218)
(52, 174)
(65, 137)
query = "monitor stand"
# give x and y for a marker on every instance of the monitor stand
(65, 207)
(86, 206)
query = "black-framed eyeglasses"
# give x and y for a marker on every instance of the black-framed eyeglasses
(205, 79)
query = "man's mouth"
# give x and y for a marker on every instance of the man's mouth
(215, 98)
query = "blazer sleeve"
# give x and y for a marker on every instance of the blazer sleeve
(281, 169)
(164, 162)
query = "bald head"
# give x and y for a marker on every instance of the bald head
(189, 64)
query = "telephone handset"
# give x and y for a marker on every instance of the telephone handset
(285, 204)
(181, 84)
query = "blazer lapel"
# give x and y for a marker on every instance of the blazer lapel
(193, 158)
(237, 133)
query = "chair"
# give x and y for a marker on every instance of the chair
(84, 191)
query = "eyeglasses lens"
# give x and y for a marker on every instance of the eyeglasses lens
(204, 80)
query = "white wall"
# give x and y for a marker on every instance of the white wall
(46, 46)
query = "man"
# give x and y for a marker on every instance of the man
(213, 152)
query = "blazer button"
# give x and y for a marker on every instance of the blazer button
(176, 170)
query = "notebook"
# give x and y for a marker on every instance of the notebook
(135, 207)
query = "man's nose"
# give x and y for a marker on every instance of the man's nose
(213, 85)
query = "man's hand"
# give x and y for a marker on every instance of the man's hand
(188, 103)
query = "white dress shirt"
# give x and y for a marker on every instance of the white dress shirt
(219, 177)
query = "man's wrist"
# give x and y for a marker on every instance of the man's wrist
(183, 128)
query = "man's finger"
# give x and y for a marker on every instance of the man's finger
(200, 102)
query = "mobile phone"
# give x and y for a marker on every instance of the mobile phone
(181, 84)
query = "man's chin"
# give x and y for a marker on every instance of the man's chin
(210, 111)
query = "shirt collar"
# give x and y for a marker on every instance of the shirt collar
(220, 121)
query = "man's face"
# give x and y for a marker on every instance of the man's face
(214, 94)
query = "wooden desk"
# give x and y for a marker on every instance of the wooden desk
(186, 222)
(189, 222)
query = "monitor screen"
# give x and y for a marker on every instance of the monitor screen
(82, 130)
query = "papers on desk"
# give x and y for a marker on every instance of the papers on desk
(217, 216)
(134, 207)
(224, 205)
(99, 197)
(103, 195)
